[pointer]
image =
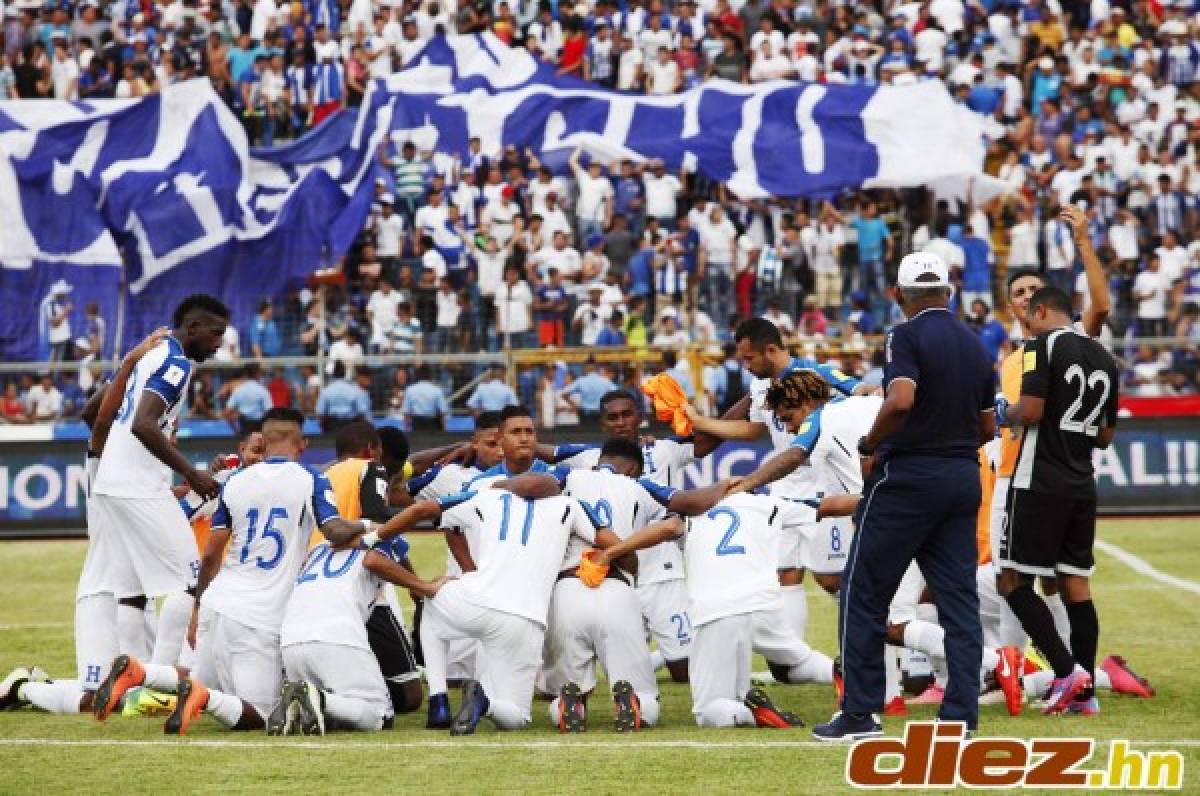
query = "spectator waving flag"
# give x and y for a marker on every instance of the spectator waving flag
(781, 138)
(167, 186)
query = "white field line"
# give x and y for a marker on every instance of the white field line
(34, 625)
(1143, 567)
(467, 743)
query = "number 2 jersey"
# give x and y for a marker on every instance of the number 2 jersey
(127, 468)
(271, 509)
(732, 554)
(1078, 380)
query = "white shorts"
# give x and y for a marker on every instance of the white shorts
(904, 604)
(664, 607)
(991, 605)
(238, 659)
(153, 551)
(602, 624)
(775, 639)
(998, 523)
(345, 671)
(825, 545)
(819, 547)
(510, 646)
(104, 569)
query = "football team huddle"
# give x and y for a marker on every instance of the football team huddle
(262, 590)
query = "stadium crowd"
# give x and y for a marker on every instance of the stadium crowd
(1093, 104)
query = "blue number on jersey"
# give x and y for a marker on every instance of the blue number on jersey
(683, 627)
(724, 548)
(835, 540)
(507, 499)
(602, 511)
(127, 403)
(323, 552)
(269, 532)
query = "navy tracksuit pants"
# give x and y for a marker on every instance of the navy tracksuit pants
(923, 508)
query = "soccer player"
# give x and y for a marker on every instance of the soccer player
(265, 516)
(1022, 284)
(333, 678)
(605, 624)
(760, 348)
(1068, 407)
(732, 555)
(360, 491)
(443, 480)
(97, 640)
(149, 548)
(502, 600)
(660, 582)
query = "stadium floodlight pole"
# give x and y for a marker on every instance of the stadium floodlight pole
(122, 291)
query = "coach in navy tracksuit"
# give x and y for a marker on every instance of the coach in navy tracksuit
(920, 500)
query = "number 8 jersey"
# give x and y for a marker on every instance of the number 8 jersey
(271, 509)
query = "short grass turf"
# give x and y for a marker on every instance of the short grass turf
(1155, 626)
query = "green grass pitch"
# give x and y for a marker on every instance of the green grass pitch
(1155, 625)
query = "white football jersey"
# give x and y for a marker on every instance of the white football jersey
(271, 508)
(520, 548)
(663, 460)
(195, 507)
(616, 502)
(733, 552)
(127, 469)
(831, 436)
(663, 463)
(801, 481)
(441, 482)
(334, 595)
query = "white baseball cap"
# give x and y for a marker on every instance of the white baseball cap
(923, 264)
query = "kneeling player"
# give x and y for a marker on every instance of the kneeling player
(502, 604)
(333, 678)
(265, 515)
(731, 554)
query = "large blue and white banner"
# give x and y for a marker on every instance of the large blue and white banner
(781, 138)
(161, 196)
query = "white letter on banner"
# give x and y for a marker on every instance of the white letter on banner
(812, 141)
(21, 487)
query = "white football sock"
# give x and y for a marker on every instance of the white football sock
(991, 659)
(724, 713)
(816, 668)
(95, 636)
(60, 696)
(795, 609)
(161, 677)
(925, 637)
(649, 707)
(131, 632)
(351, 713)
(173, 618)
(1036, 683)
(657, 660)
(1061, 623)
(506, 715)
(225, 708)
(891, 672)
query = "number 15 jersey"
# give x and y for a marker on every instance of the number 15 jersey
(1078, 380)
(271, 509)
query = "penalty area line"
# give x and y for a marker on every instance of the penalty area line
(1143, 567)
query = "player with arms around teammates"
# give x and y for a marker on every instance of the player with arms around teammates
(261, 527)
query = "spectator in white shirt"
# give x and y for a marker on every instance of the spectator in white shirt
(381, 311)
(663, 77)
(44, 402)
(662, 194)
(390, 230)
(514, 305)
(1150, 290)
(594, 206)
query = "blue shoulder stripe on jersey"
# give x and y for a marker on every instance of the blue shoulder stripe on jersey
(662, 494)
(591, 515)
(188, 511)
(839, 380)
(395, 548)
(570, 450)
(170, 390)
(809, 433)
(415, 485)
(450, 501)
